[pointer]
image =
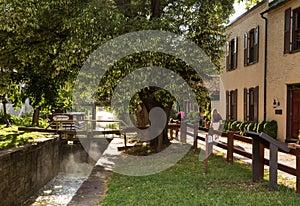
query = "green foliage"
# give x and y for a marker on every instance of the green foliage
(270, 128)
(207, 113)
(173, 114)
(2, 120)
(193, 117)
(225, 125)
(234, 126)
(112, 126)
(47, 42)
(255, 127)
(250, 3)
(25, 121)
(251, 126)
(242, 126)
(10, 137)
(260, 126)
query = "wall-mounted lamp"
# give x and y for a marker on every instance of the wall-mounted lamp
(276, 103)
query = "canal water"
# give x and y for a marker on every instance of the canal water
(60, 190)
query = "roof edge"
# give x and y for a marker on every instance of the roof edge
(274, 5)
(248, 11)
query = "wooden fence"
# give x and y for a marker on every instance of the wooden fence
(193, 131)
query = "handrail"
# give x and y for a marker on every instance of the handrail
(229, 146)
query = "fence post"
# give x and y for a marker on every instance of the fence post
(298, 170)
(170, 132)
(230, 137)
(183, 130)
(206, 153)
(262, 161)
(125, 140)
(195, 136)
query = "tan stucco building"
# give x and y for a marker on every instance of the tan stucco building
(262, 76)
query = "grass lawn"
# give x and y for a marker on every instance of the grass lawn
(187, 184)
(11, 137)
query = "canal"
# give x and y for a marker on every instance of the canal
(75, 167)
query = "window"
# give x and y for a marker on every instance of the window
(231, 105)
(231, 54)
(251, 46)
(251, 104)
(292, 29)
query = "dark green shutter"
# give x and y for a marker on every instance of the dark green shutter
(246, 116)
(227, 105)
(287, 30)
(256, 103)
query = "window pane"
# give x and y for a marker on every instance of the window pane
(251, 46)
(232, 60)
(296, 29)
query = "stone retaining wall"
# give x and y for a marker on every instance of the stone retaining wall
(23, 171)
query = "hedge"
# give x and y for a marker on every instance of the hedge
(268, 127)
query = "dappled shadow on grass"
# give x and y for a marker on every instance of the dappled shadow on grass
(148, 161)
(10, 137)
(142, 149)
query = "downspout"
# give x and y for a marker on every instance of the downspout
(265, 64)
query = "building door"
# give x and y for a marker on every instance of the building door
(293, 123)
(295, 113)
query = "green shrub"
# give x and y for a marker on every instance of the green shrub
(225, 125)
(196, 115)
(112, 126)
(270, 128)
(255, 126)
(250, 126)
(2, 117)
(25, 121)
(193, 117)
(207, 115)
(173, 114)
(229, 125)
(234, 126)
(242, 126)
(260, 126)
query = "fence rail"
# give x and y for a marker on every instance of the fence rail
(231, 149)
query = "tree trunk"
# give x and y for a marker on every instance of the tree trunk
(155, 8)
(6, 119)
(142, 116)
(160, 141)
(35, 117)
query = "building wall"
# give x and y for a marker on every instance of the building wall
(282, 69)
(246, 76)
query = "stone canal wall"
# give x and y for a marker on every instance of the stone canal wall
(23, 171)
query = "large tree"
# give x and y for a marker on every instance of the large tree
(200, 21)
(9, 78)
(51, 40)
(35, 34)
